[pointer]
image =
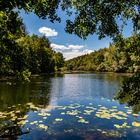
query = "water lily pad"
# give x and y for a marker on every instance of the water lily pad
(136, 124)
(73, 112)
(63, 113)
(136, 115)
(83, 121)
(44, 114)
(34, 122)
(58, 119)
(42, 126)
(124, 125)
(88, 112)
(23, 122)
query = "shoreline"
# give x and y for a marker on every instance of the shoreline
(5, 78)
(92, 72)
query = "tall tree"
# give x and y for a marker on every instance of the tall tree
(11, 28)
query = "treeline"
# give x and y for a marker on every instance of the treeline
(22, 55)
(121, 56)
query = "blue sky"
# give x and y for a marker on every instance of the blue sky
(70, 45)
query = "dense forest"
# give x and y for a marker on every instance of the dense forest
(22, 55)
(121, 56)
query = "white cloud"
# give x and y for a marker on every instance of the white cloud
(48, 32)
(75, 53)
(69, 47)
(71, 51)
(71, 54)
(59, 47)
(75, 50)
(87, 51)
(75, 47)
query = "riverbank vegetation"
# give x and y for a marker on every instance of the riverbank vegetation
(22, 55)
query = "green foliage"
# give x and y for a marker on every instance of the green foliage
(42, 8)
(11, 28)
(91, 17)
(32, 54)
(39, 54)
(20, 54)
(59, 60)
(101, 16)
(24, 75)
(121, 56)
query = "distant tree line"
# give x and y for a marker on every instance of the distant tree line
(121, 56)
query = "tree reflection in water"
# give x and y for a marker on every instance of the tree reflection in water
(23, 98)
(130, 92)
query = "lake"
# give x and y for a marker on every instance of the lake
(66, 107)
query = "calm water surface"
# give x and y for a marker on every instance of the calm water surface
(66, 107)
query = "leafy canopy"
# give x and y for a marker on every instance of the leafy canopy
(91, 17)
